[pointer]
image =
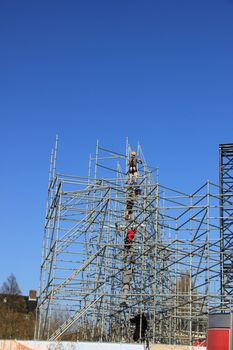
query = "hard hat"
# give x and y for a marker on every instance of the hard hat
(133, 153)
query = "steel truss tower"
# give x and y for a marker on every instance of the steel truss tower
(89, 287)
(226, 220)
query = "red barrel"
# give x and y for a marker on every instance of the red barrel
(220, 331)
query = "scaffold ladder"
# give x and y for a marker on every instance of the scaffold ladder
(68, 323)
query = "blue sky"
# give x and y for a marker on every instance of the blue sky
(159, 72)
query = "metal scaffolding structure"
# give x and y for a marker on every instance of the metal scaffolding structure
(91, 284)
(226, 220)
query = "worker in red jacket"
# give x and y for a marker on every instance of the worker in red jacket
(128, 248)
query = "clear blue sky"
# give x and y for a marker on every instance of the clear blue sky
(157, 71)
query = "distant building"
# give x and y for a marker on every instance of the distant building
(17, 315)
(20, 303)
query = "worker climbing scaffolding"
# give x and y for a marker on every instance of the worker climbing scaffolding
(133, 170)
(129, 207)
(141, 324)
(126, 286)
(128, 248)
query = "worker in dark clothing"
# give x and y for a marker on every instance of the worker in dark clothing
(133, 170)
(129, 242)
(129, 207)
(126, 286)
(141, 324)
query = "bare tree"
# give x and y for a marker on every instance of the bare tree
(11, 286)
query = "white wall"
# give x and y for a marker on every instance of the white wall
(46, 345)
